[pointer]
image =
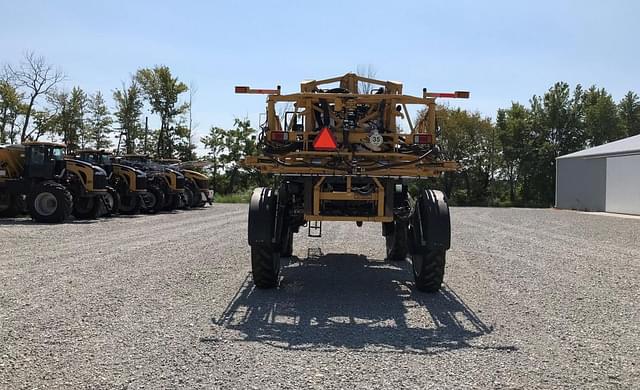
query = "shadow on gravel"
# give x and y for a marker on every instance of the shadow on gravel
(28, 221)
(348, 301)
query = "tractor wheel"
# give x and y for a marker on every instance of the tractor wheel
(396, 241)
(287, 244)
(111, 202)
(265, 254)
(153, 200)
(265, 266)
(429, 238)
(177, 201)
(130, 204)
(170, 202)
(87, 207)
(9, 206)
(188, 198)
(428, 270)
(49, 202)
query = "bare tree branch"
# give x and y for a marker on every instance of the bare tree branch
(36, 77)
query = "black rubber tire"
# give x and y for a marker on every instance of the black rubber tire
(87, 207)
(428, 270)
(196, 196)
(287, 244)
(170, 202)
(187, 198)
(9, 206)
(108, 212)
(63, 198)
(396, 242)
(130, 204)
(265, 266)
(158, 194)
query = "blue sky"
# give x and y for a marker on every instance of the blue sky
(501, 51)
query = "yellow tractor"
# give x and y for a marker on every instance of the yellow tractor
(35, 177)
(166, 185)
(197, 192)
(341, 155)
(129, 184)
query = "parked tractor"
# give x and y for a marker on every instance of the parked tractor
(166, 186)
(341, 156)
(35, 177)
(129, 184)
(197, 192)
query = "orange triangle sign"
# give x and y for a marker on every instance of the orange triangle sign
(325, 140)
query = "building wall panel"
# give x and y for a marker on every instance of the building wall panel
(623, 185)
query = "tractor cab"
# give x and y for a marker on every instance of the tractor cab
(101, 158)
(43, 160)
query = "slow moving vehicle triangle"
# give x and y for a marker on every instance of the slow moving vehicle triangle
(325, 140)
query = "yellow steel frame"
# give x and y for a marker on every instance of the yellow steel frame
(376, 197)
(385, 107)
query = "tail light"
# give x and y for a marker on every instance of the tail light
(423, 139)
(280, 136)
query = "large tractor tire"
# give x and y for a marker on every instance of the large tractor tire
(49, 202)
(429, 236)
(130, 204)
(396, 241)
(169, 201)
(428, 270)
(9, 204)
(111, 202)
(88, 207)
(265, 254)
(188, 198)
(153, 200)
(176, 201)
(287, 244)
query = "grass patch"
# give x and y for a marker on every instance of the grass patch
(238, 197)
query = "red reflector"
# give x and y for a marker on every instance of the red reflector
(422, 139)
(279, 136)
(325, 140)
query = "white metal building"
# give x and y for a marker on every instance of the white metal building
(603, 178)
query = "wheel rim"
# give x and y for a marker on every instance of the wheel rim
(108, 200)
(151, 200)
(46, 203)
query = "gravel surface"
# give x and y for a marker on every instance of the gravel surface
(533, 299)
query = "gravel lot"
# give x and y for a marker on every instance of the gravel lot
(533, 298)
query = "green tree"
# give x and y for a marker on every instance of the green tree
(184, 148)
(162, 91)
(99, 122)
(601, 117)
(65, 118)
(214, 142)
(512, 126)
(629, 113)
(128, 111)
(10, 107)
(469, 139)
(238, 143)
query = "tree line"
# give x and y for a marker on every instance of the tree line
(506, 161)
(33, 106)
(511, 161)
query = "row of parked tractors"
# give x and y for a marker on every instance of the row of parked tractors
(38, 179)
